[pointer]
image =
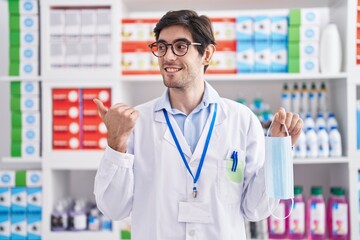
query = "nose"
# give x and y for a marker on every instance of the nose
(169, 55)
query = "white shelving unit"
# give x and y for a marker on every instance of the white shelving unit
(70, 173)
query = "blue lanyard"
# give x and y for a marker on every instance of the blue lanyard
(196, 178)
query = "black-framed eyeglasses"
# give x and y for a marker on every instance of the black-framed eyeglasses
(179, 47)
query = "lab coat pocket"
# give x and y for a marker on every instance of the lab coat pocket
(230, 177)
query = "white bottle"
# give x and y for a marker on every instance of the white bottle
(286, 98)
(331, 122)
(300, 146)
(309, 122)
(322, 97)
(320, 122)
(330, 50)
(311, 143)
(313, 100)
(323, 142)
(304, 96)
(335, 142)
(295, 99)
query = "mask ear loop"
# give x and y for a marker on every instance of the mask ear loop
(292, 200)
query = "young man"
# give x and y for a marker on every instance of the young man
(167, 161)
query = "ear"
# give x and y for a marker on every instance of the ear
(209, 51)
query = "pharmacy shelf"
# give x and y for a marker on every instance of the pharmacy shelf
(245, 77)
(331, 160)
(73, 160)
(86, 235)
(21, 160)
(19, 78)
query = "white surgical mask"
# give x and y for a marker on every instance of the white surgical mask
(279, 175)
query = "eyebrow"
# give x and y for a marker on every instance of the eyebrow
(176, 40)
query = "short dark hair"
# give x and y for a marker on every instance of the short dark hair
(199, 27)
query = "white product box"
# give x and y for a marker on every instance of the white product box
(5, 200)
(29, 22)
(57, 22)
(29, 38)
(29, 103)
(18, 199)
(29, 54)
(33, 178)
(103, 54)
(244, 28)
(30, 119)
(87, 54)
(309, 33)
(29, 68)
(135, 30)
(18, 226)
(88, 22)
(262, 28)
(310, 16)
(72, 54)
(154, 63)
(5, 225)
(279, 28)
(30, 149)
(135, 61)
(28, 7)
(34, 226)
(72, 22)
(30, 134)
(57, 55)
(309, 65)
(7, 178)
(279, 57)
(223, 61)
(309, 49)
(29, 88)
(103, 24)
(245, 57)
(262, 57)
(34, 199)
(224, 29)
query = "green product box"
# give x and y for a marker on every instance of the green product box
(13, 6)
(20, 178)
(16, 149)
(294, 50)
(125, 235)
(295, 17)
(15, 38)
(16, 120)
(294, 65)
(294, 33)
(14, 68)
(15, 103)
(14, 54)
(15, 88)
(16, 135)
(14, 23)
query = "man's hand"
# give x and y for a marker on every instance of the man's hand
(293, 124)
(120, 121)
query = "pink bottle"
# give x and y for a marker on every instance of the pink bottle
(316, 218)
(278, 227)
(338, 214)
(297, 217)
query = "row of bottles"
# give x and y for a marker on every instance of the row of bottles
(78, 216)
(313, 219)
(320, 138)
(304, 100)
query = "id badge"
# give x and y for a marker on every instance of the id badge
(195, 212)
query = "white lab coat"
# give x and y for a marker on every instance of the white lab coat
(151, 179)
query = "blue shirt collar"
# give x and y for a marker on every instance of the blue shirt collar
(210, 96)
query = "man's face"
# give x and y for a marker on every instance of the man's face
(179, 72)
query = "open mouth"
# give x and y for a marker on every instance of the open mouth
(172, 69)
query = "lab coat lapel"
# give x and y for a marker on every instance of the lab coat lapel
(159, 117)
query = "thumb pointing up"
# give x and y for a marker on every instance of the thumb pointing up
(101, 108)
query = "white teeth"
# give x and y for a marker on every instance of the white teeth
(172, 69)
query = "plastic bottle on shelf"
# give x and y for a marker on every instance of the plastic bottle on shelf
(94, 220)
(286, 98)
(257, 105)
(59, 218)
(322, 97)
(106, 224)
(278, 227)
(313, 100)
(295, 99)
(315, 214)
(331, 121)
(311, 143)
(309, 122)
(300, 146)
(297, 217)
(330, 54)
(335, 142)
(304, 98)
(77, 218)
(338, 214)
(323, 142)
(320, 122)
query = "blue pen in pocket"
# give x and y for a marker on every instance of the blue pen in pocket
(234, 157)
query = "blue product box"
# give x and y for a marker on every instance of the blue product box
(7, 178)
(34, 199)
(34, 226)
(262, 57)
(18, 199)
(5, 226)
(245, 57)
(279, 28)
(5, 200)
(33, 178)
(279, 57)
(262, 28)
(18, 226)
(244, 28)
